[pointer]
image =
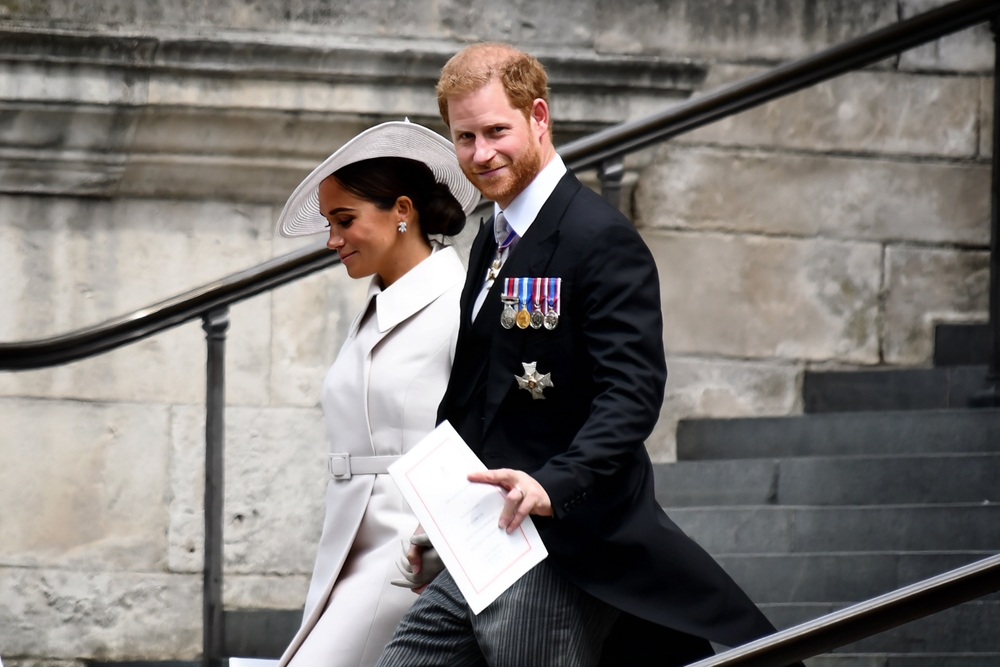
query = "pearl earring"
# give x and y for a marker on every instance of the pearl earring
(402, 226)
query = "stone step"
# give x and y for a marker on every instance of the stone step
(848, 480)
(967, 628)
(900, 389)
(784, 530)
(961, 344)
(905, 660)
(841, 434)
(838, 577)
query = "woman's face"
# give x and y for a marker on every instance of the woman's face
(364, 235)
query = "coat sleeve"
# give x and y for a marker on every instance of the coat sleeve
(618, 298)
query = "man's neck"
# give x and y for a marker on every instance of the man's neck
(522, 209)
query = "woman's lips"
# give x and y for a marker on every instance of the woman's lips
(343, 256)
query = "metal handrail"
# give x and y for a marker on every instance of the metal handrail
(866, 618)
(166, 314)
(605, 151)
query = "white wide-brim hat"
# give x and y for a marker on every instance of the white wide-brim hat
(301, 214)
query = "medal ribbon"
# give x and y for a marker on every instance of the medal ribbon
(523, 296)
(557, 289)
(538, 293)
(507, 241)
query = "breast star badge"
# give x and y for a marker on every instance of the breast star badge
(532, 382)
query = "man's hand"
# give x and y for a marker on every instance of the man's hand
(524, 495)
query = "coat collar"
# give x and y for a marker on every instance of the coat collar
(417, 288)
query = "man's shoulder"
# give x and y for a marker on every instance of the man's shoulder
(589, 216)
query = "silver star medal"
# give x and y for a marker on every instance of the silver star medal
(532, 381)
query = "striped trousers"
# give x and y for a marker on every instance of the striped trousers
(542, 620)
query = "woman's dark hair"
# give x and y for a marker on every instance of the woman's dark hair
(383, 180)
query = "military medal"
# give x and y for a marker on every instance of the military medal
(553, 287)
(523, 316)
(508, 315)
(537, 318)
(533, 382)
(493, 271)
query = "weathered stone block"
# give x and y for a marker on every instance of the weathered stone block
(721, 388)
(265, 134)
(768, 193)
(970, 50)
(83, 485)
(763, 297)
(758, 29)
(247, 591)
(275, 481)
(866, 111)
(558, 22)
(925, 286)
(75, 263)
(986, 112)
(47, 172)
(292, 95)
(243, 117)
(311, 320)
(63, 614)
(79, 83)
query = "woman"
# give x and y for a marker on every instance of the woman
(379, 197)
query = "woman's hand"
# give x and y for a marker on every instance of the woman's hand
(420, 563)
(524, 495)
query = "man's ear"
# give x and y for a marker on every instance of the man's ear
(540, 116)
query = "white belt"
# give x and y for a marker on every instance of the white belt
(342, 466)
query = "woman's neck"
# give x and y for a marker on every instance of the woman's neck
(403, 261)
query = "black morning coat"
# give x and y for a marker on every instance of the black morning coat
(584, 442)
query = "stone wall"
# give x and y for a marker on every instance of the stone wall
(832, 228)
(146, 149)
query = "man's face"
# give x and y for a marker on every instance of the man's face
(497, 147)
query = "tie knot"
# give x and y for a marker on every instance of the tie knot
(504, 234)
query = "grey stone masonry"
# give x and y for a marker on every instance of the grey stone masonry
(147, 147)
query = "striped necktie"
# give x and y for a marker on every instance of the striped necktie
(505, 236)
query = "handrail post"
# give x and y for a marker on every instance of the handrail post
(610, 172)
(215, 323)
(990, 395)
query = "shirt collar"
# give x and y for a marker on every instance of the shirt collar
(523, 210)
(416, 288)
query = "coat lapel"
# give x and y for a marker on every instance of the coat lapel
(480, 255)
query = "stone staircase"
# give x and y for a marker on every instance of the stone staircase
(885, 481)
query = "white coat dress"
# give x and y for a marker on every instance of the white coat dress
(380, 398)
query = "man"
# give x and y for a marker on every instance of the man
(559, 408)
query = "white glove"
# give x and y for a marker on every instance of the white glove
(430, 564)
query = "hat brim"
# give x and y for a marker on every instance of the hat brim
(301, 215)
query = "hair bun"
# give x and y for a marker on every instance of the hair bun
(442, 213)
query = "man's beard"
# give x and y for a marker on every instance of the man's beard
(520, 172)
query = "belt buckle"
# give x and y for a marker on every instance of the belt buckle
(339, 466)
